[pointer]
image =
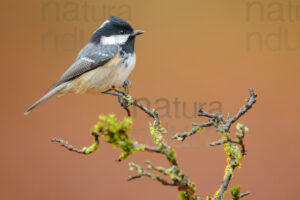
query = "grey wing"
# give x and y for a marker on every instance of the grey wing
(87, 60)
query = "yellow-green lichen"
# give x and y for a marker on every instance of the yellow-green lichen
(116, 133)
(184, 196)
(233, 153)
(91, 149)
(235, 192)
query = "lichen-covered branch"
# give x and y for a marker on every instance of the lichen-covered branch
(142, 173)
(117, 133)
(85, 150)
(179, 179)
(234, 148)
(236, 194)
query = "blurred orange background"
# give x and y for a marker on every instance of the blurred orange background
(198, 52)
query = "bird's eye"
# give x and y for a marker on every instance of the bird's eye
(122, 32)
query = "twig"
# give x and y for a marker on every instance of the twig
(147, 148)
(208, 124)
(84, 150)
(246, 107)
(245, 194)
(227, 177)
(165, 149)
(218, 120)
(67, 146)
(142, 173)
(156, 132)
(222, 126)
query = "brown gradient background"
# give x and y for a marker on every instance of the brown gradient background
(193, 50)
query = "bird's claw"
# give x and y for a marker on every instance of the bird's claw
(127, 83)
(121, 95)
(125, 86)
(123, 103)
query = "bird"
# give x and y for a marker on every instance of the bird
(105, 62)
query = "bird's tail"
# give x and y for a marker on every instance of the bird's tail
(45, 97)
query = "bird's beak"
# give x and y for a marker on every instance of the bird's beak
(136, 32)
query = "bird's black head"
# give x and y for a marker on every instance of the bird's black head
(114, 31)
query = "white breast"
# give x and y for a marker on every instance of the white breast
(127, 64)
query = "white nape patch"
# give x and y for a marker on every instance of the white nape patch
(102, 25)
(88, 59)
(114, 39)
(107, 21)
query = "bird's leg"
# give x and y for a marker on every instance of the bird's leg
(108, 90)
(113, 88)
(124, 89)
(121, 94)
(123, 100)
(124, 104)
(127, 83)
(125, 86)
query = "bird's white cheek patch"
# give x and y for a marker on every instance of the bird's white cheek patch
(114, 39)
